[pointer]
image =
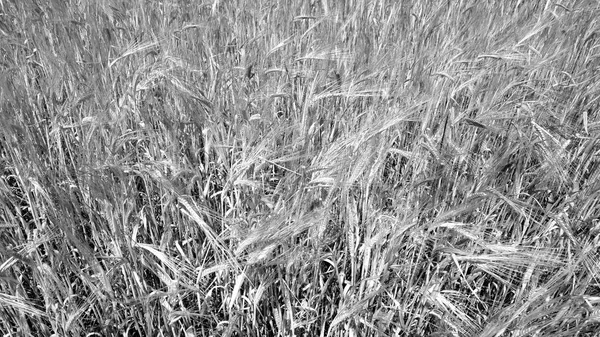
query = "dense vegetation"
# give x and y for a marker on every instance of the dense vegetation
(299, 168)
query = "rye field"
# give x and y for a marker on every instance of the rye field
(299, 168)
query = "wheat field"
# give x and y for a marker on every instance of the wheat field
(299, 168)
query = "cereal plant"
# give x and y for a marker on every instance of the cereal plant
(299, 168)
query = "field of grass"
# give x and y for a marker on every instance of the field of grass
(299, 168)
